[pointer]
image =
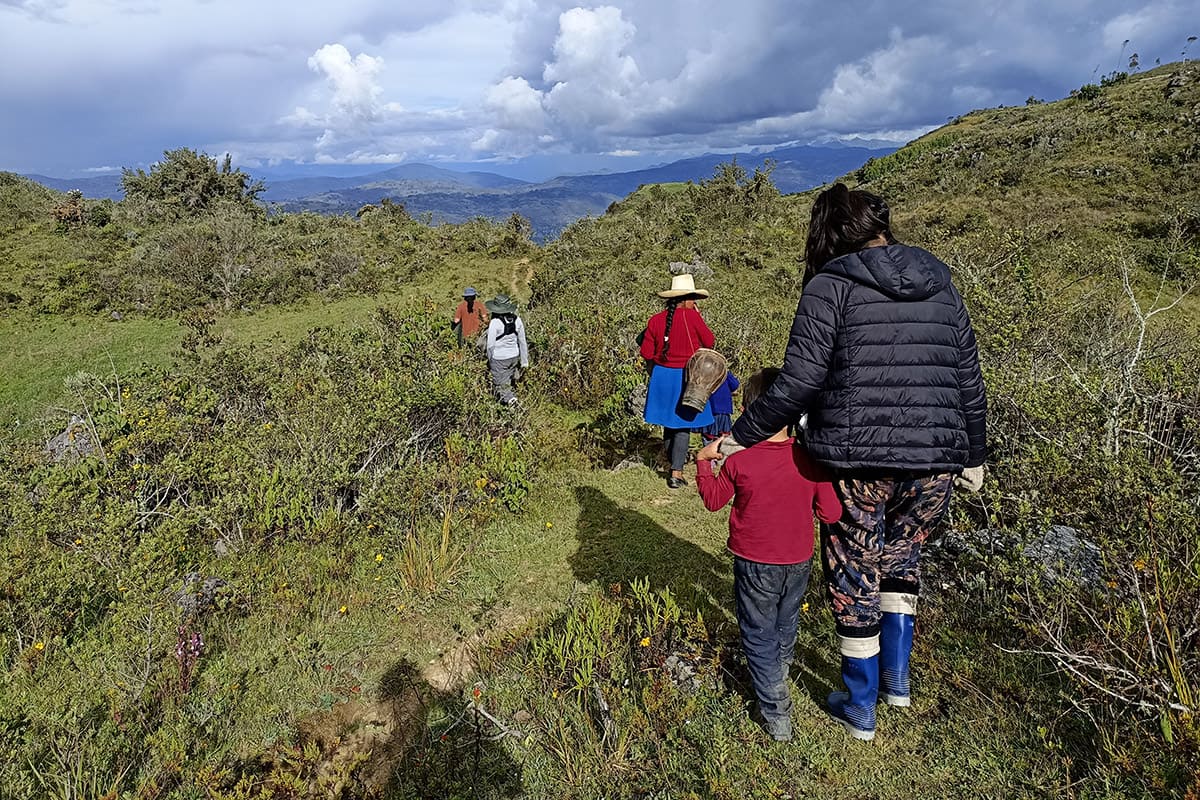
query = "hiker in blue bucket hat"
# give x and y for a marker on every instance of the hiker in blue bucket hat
(469, 317)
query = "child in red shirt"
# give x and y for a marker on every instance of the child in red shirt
(774, 487)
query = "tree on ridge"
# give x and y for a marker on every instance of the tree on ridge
(186, 183)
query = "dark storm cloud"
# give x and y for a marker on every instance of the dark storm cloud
(91, 82)
(730, 73)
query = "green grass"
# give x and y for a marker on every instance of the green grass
(298, 664)
(323, 644)
(37, 353)
(962, 738)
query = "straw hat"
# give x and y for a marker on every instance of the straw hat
(682, 286)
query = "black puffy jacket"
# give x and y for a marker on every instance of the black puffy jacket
(883, 359)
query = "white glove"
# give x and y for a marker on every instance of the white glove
(971, 479)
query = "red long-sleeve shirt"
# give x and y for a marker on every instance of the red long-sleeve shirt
(688, 334)
(775, 486)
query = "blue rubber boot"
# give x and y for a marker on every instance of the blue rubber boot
(855, 707)
(895, 645)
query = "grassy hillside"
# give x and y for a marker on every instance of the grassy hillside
(23, 200)
(308, 556)
(1086, 181)
(1071, 229)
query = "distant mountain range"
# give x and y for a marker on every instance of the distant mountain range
(454, 196)
(97, 187)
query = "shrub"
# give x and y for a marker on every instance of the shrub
(223, 480)
(186, 183)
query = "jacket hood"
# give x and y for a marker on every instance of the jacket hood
(897, 270)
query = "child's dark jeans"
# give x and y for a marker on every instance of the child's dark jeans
(768, 613)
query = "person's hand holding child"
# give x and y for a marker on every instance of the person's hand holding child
(711, 451)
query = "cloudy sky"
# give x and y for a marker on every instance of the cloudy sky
(89, 85)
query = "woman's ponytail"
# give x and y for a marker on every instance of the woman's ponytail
(672, 304)
(842, 222)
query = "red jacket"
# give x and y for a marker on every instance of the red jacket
(472, 321)
(688, 334)
(775, 486)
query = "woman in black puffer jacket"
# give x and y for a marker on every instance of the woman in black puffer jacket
(883, 360)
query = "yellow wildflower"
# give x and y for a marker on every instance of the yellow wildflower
(378, 557)
(39, 646)
(549, 524)
(804, 607)
(645, 642)
(342, 610)
(1139, 564)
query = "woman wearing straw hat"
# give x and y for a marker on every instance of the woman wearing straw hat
(506, 347)
(672, 336)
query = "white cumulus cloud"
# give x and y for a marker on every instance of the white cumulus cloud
(516, 105)
(595, 81)
(592, 83)
(353, 80)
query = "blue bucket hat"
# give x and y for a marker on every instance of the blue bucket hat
(469, 291)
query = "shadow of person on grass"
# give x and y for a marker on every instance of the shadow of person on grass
(438, 747)
(814, 671)
(618, 544)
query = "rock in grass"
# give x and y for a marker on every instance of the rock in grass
(197, 594)
(1065, 555)
(1059, 554)
(73, 443)
(632, 462)
(635, 403)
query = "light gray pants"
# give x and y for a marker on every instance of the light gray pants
(504, 372)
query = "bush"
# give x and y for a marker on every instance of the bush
(230, 493)
(186, 183)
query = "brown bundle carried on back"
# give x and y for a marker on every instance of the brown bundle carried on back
(705, 371)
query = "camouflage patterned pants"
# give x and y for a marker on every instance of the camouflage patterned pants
(876, 545)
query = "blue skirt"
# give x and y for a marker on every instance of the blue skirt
(662, 401)
(721, 425)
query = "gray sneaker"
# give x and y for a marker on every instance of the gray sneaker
(779, 729)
